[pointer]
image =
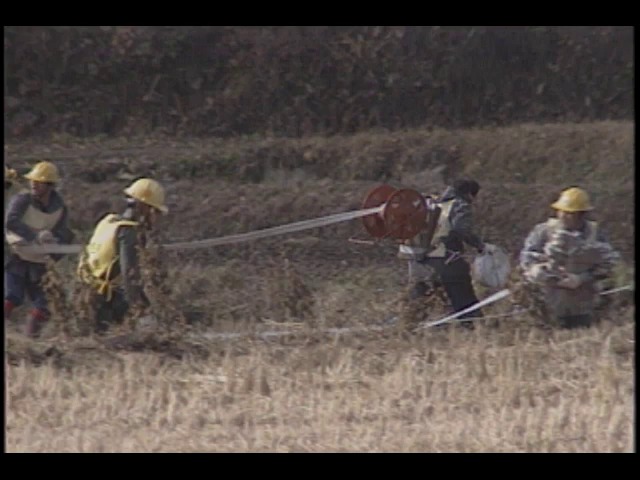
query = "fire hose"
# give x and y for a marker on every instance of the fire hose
(389, 323)
(499, 296)
(386, 213)
(227, 239)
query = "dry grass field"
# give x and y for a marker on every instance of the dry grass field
(490, 390)
(512, 385)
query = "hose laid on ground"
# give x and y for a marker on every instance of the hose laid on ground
(389, 323)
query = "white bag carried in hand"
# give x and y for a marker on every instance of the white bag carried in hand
(492, 267)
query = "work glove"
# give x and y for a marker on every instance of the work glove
(570, 281)
(45, 236)
(487, 248)
(538, 273)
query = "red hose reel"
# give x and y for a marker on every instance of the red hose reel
(404, 214)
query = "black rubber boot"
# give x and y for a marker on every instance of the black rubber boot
(576, 321)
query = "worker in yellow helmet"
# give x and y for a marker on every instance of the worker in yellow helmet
(33, 218)
(566, 256)
(109, 263)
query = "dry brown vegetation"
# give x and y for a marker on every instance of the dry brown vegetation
(249, 183)
(512, 389)
(506, 387)
(299, 81)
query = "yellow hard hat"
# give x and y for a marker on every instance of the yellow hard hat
(573, 200)
(45, 172)
(148, 191)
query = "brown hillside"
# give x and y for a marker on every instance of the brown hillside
(243, 184)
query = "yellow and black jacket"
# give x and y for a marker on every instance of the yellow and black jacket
(110, 258)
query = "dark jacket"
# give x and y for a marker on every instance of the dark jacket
(128, 239)
(19, 204)
(461, 219)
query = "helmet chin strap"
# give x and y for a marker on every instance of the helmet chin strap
(146, 215)
(131, 205)
(138, 214)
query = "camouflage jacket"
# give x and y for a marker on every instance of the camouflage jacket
(586, 253)
(589, 253)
